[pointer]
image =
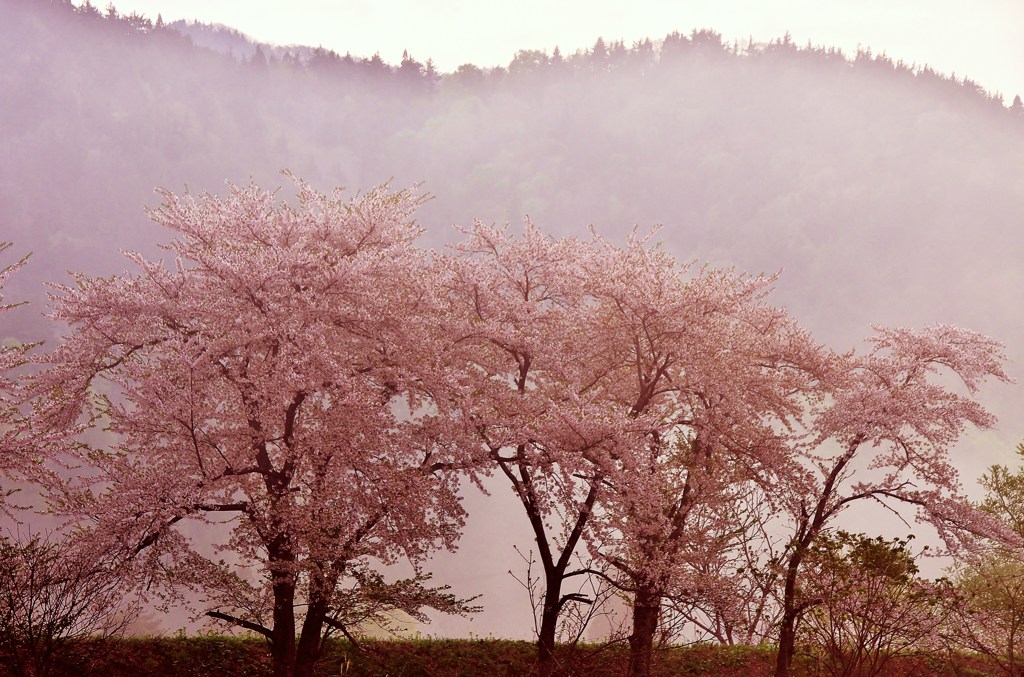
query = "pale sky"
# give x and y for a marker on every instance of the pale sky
(983, 39)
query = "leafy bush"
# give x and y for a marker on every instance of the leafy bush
(55, 601)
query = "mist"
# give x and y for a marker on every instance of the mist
(883, 194)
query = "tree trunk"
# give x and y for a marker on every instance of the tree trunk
(554, 570)
(280, 563)
(282, 641)
(646, 610)
(787, 644)
(549, 626)
(308, 650)
(787, 630)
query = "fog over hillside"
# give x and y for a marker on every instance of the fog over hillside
(883, 194)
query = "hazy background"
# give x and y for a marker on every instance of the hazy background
(886, 192)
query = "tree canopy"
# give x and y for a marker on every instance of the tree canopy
(278, 373)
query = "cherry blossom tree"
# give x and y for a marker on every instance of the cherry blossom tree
(535, 390)
(12, 450)
(10, 356)
(605, 382)
(724, 391)
(715, 374)
(883, 435)
(276, 380)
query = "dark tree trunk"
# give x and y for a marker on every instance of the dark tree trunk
(549, 626)
(787, 644)
(809, 528)
(282, 640)
(282, 633)
(554, 569)
(646, 611)
(308, 650)
(790, 612)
